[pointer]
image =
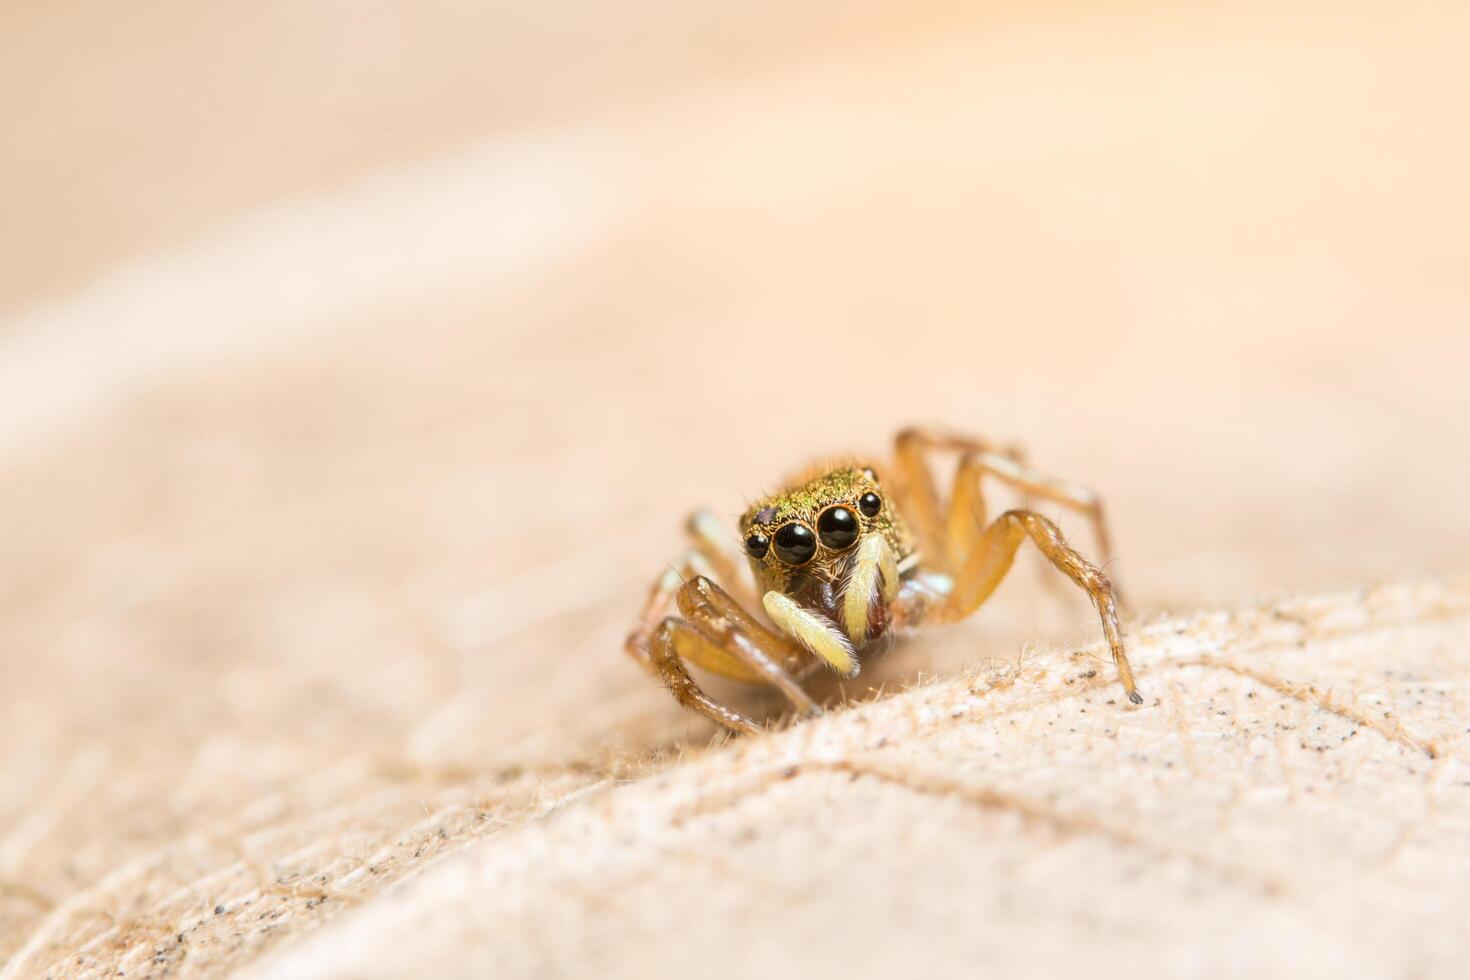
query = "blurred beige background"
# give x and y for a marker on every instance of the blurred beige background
(361, 360)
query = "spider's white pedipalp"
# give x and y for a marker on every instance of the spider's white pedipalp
(815, 632)
(874, 574)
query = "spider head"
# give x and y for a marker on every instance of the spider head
(804, 538)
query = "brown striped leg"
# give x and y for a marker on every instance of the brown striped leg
(992, 556)
(718, 635)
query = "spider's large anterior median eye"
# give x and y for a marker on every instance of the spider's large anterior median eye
(838, 528)
(870, 503)
(795, 544)
(757, 544)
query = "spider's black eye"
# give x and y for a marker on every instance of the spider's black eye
(795, 544)
(838, 528)
(757, 544)
(870, 503)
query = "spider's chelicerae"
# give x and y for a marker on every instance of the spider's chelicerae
(839, 557)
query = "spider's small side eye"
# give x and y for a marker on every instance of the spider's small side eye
(795, 544)
(838, 528)
(757, 544)
(870, 503)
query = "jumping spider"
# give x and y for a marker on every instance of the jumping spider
(839, 558)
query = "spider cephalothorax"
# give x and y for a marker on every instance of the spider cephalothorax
(812, 540)
(837, 557)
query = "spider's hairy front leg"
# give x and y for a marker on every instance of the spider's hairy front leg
(664, 650)
(992, 556)
(720, 636)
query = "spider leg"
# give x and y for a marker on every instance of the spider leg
(711, 554)
(995, 550)
(1008, 465)
(718, 635)
(743, 649)
(722, 550)
(672, 639)
(1036, 483)
(922, 506)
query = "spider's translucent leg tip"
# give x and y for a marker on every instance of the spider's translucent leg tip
(1135, 697)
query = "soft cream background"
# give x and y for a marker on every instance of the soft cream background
(360, 361)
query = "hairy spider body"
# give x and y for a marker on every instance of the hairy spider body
(839, 558)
